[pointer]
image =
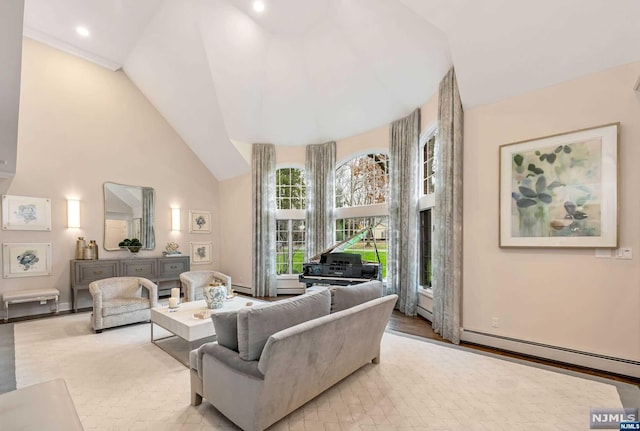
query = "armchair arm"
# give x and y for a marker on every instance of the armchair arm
(153, 290)
(96, 295)
(189, 286)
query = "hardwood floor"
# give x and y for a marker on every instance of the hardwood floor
(421, 327)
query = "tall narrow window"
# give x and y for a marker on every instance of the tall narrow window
(426, 235)
(426, 204)
(290, 241)
(290, 233)
(427, 166)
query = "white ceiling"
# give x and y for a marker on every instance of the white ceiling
(308, 71)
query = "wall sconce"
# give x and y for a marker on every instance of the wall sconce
(73, 213)
(175, 219)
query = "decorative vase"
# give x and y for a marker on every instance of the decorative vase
(80, 246)
(93, 245)
(215, 295)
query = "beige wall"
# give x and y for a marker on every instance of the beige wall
(81, 125)
(565, 298)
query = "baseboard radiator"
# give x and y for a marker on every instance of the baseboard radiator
(424, 313)
(596, 361)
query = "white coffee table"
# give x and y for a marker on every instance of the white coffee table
(181, 323)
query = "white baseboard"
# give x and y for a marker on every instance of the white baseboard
(425, 313)
(596, 361)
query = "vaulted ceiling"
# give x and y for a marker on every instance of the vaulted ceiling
(309, 71)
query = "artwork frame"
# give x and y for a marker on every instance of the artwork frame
(200, 252)
(199, 221)
(26, 213)
(560, 190)
(15, 263)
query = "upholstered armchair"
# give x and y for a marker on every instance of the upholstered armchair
(122, 300)
(194, 281)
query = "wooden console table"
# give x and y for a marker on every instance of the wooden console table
(164, 271)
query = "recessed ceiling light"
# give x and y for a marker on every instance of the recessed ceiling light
(82, 31)
(258, 6)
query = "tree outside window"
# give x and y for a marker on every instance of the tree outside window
(363, 180)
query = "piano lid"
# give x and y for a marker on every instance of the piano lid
(351, 245)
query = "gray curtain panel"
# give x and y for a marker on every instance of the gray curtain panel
(402, 254)
(263, 164)
(320, 172)
(147, 233)
(447, 242)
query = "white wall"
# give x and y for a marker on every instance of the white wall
(81, 125)
(566, 298)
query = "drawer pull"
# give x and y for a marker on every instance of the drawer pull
(139, 270)
(174, 267)
(97, 272)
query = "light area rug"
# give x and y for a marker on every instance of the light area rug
(120, 381)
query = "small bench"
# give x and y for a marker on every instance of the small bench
(18, 296)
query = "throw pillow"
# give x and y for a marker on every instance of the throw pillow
(226, 327)
(256, 325)
(343, 297)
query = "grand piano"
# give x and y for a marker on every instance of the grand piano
(343, 263)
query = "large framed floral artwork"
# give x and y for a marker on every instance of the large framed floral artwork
(561, 190)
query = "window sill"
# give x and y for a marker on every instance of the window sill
(428, 292)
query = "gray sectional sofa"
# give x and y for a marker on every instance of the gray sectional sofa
(270, 360)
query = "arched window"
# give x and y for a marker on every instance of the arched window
(363, 180)
(290, 232)
(362, 189)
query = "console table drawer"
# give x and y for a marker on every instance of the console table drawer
(145, 268)
(90, 271)
(172, 267)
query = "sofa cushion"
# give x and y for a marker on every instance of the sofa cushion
(256, 325)
(226, 327)
(123, 305)
(343, 297)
